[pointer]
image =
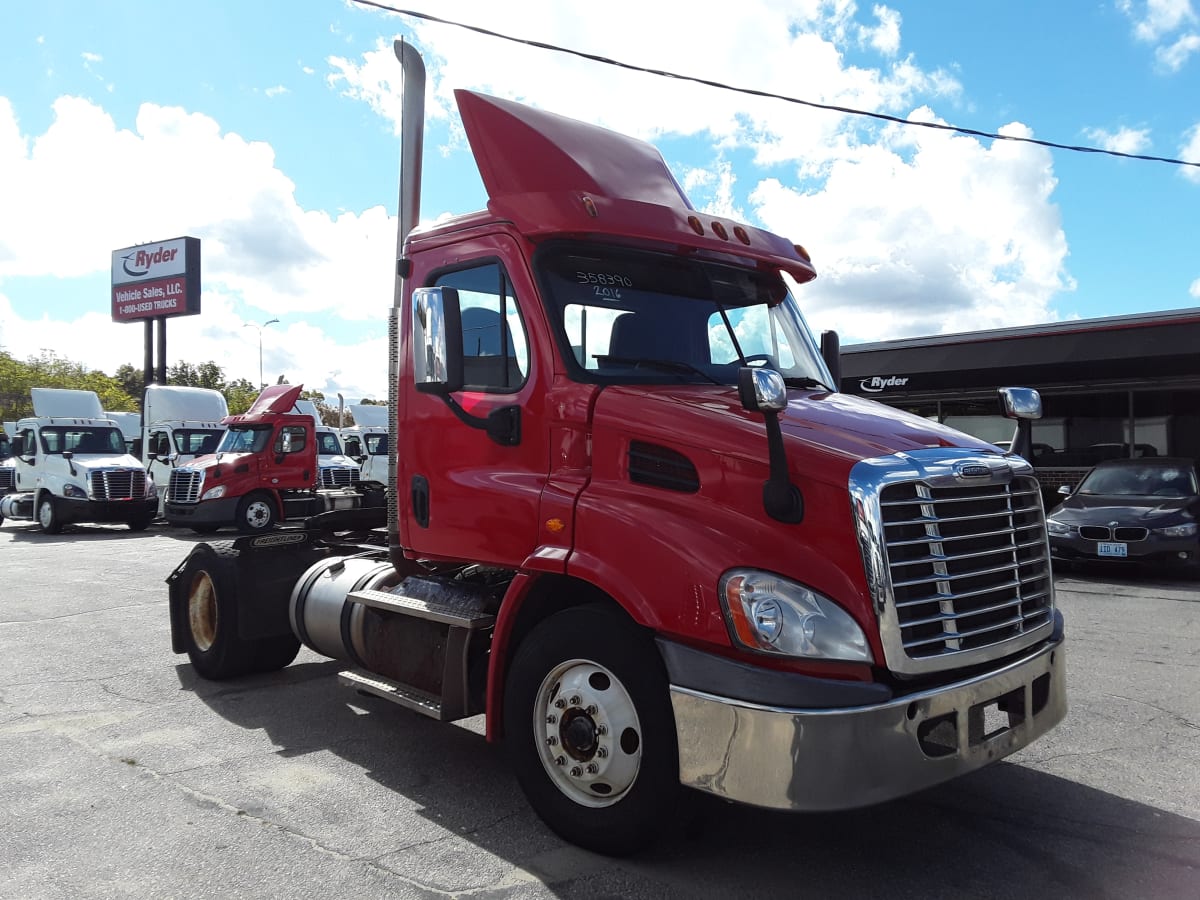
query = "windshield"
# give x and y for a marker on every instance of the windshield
(629, 315)
(245, 439)
(197, 441)
(82, 439)
(1140, 481)
(328, 444)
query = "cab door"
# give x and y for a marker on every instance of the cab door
(291, 463)
(463, 495)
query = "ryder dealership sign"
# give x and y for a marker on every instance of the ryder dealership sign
(153, 280)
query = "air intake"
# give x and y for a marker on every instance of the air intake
(662, 467)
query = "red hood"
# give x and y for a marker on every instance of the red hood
(839, 428)
(278, 399)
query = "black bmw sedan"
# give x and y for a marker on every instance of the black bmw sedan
(1143, 510)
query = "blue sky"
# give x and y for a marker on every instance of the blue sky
(267, 130)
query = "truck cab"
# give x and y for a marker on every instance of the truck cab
(366, 441)
(181, 424)
(334, 467)
(71, 464)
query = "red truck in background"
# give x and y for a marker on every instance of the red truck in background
(632, 521)
(265, 470)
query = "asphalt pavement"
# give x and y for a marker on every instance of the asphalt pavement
(124, 775)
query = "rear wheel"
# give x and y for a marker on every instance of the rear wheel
(590, 730)
(48, 514)
(211, 637)
(274, 653)
(256, 513)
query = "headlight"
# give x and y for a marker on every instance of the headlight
(770, 613)
(1056, 527)
(214, 493)
(74, 491)
(1186, 530)
(151, 489)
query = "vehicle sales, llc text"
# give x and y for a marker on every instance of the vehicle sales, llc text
(150, 299)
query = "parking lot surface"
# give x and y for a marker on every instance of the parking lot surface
(127, 776)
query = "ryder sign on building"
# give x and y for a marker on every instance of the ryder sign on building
(153, 280)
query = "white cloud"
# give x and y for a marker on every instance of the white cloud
(1190, 151)
(1123, 140)
(1194, 290)
(85, 187)
(1171, 25)
(92, 58)
(885, 37)
(275, 91)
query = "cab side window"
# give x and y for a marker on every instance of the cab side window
(28, 442)
(495, 344)
(291, 439)
(159, 443)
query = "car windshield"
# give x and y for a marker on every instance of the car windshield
(1139, 481)
(635, 316)
(245, 439)
(82, 439)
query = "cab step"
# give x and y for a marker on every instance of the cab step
(392, 691)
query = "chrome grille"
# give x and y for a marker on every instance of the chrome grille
(184, 486)
(968, 566)
(338, 476)
(8, 478)
(118, 484)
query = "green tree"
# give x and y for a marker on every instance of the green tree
(47, 369)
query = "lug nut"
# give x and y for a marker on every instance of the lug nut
(575, 701)
(560, 760)
(591, 710)
(602, 752)
(576, 772)
(552, 741)
(601, 729)
(560, 703)
(551, 719)
(593, 768)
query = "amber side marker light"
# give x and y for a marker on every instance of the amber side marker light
(719, 231)
(694, 221)
(737, 612)
(740, 233)
(802, 252)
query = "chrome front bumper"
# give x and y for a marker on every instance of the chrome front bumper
(825, 759)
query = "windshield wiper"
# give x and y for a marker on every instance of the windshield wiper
(804, 381)
(664, 365)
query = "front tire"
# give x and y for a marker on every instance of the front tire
(48, 516)
(256, 513)
(141, 523)
(590, 730)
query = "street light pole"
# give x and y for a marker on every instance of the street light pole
(260, 331)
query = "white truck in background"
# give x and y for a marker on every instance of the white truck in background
(335, 468)
(181, 424)
(8, 471)
(71, 465)
(366, 441)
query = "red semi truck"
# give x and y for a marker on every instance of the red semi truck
(265, 469)
(633, 523)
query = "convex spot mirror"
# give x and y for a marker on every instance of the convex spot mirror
(761, 390)
(437, 340)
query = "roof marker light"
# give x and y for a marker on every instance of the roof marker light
(719, 231)
(694, 221)
(590, 205)
(740, 233)
(802, 252)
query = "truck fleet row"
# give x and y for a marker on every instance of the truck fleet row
(50, 475)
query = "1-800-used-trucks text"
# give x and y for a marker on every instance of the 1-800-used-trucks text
(631, 520)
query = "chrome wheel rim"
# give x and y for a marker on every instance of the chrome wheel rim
(588, 734)
(258, 514)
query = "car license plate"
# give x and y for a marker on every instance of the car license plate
(1112, 549)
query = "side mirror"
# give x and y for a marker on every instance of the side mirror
(764, 390)
(18, 446)
(1024, 405)
(831, 352)
(437, 340)
(1065, 490)
(68, 454)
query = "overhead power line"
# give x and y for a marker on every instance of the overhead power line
(754, 92)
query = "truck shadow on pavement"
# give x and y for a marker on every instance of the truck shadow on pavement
(1007, 830)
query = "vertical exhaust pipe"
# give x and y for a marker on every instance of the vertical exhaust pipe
(408, 211)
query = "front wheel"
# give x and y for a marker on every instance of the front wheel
(590, 730)
(48, 515)
(256, 513)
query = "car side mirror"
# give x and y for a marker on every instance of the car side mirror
(1065, 490)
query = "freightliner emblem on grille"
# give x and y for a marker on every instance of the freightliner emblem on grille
(971, 470)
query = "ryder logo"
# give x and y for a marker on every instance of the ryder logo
(876, 384)
(138, 262)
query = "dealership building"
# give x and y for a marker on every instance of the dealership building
(1111, 387)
